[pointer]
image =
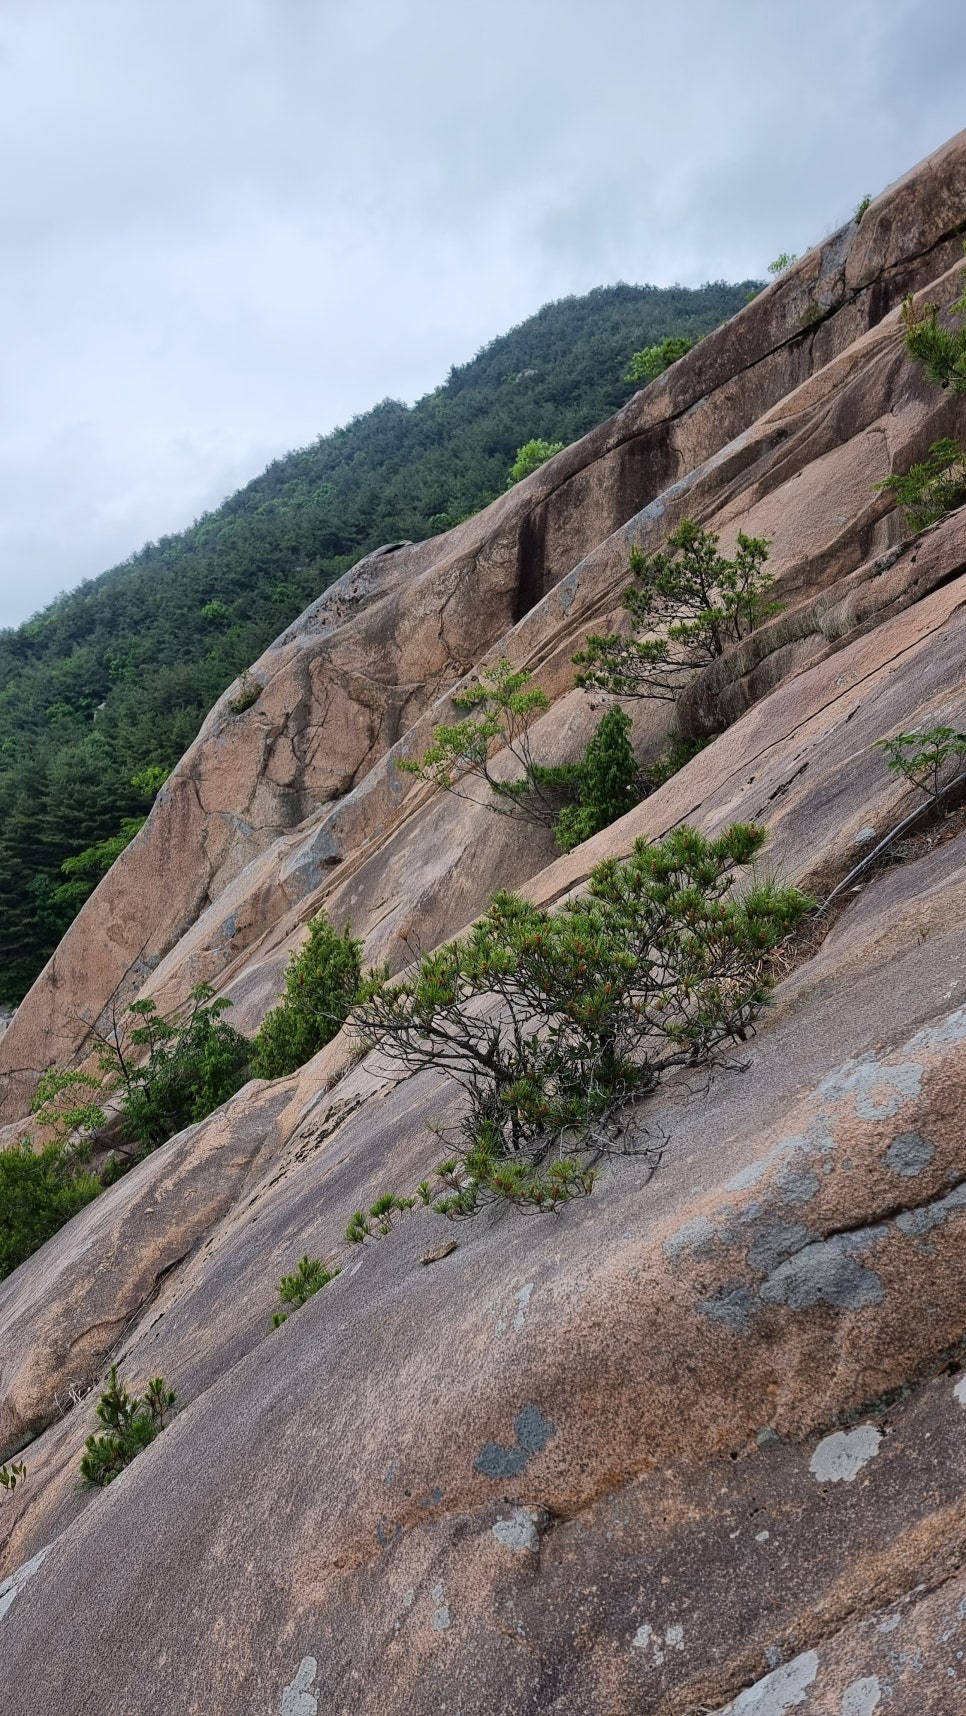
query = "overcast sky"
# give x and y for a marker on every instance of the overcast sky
(228, 225)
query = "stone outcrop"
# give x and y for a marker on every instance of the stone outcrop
(700, 1443)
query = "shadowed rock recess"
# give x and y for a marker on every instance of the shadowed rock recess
(698, 1444)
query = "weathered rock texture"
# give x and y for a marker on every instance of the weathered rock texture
(700, 1444)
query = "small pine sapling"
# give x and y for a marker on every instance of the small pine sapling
(932, 488)
(941, 351)
(694, 604)
(608, 782)
(322, 982)
(296, 1289)
(131, 1423)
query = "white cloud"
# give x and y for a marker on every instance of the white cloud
(229, 225)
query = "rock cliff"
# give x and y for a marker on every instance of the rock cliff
(699, 1444)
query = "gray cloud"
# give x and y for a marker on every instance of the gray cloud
(228, 225)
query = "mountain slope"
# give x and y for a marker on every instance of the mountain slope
(118, 675)
(697, 1442)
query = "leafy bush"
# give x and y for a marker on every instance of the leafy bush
(929, 490)
(59, 1106)
(309, 1278)
(860, 210)
(191, 1068)
(700, 603)
(929, 761)
(321, 984)
(131, 1423)
(12, 1475)
(607, 782)
(654, 360)
(782, 262)
(940, 351)
(530, 457)
(39, 1192)
(549, 1022)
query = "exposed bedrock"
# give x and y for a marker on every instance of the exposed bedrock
(700, 1443)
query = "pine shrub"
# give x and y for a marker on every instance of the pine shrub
(693, 604)
(607, 782)
(131, 1423)
(322, 982)
(191, 1067)
(550, 1022)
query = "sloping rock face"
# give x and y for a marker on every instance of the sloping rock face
(700, 1443)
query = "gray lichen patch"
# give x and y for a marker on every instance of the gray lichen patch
(533, 1432)
(695, 1238)
(733, 1305)
(441, 1615)
(774, 1244)
(827, 1273)
(780, 1691)
(298, 1699)
(839, 1458)
(862, 1697)
(521, 1532)
(878, 1090)
(909, 1154)
(915, 1223)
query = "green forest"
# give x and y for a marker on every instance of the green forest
(113, 679)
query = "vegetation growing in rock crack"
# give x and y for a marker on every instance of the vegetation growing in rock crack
(296, 1289)
(607, 783)
(42, 1189)
(573, 799)
(551, 1022)
(935, 486)
(247, 695)
(648, 364)
(12, 1475)
(530, 457)
(191, 1066)
(131, 1422)
(782, 262)
(699, 604)
(941, 351)
(322, 982)
(930, 761)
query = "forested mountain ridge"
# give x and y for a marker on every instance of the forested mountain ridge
(117, 675)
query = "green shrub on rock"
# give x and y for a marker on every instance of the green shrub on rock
(322, 982)
(131, 1423)
(693, 606)
(296, 1289)
(927, 491)
(647, 365)
(551, 1021)
(607, 782)
(530, 457)
(39, 1192)
(192, 1066)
